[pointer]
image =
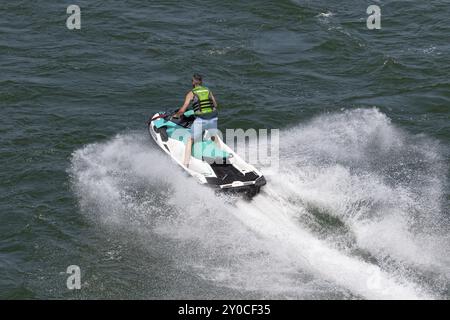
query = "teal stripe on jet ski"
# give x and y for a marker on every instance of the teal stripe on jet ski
(160, 123)
(208, 149)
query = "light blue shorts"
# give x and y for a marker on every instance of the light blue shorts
(201, 125)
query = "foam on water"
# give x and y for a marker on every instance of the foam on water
(355, 211)
(388, 187)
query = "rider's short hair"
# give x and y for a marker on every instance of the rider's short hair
(197, 77)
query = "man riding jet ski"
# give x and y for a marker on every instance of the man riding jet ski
(181, 134)
(205, 109)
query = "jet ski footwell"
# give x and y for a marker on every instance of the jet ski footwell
(217, 167)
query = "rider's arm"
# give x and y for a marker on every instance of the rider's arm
(213, 99)
(187, 101)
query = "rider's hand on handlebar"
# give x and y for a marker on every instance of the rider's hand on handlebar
(176, 115)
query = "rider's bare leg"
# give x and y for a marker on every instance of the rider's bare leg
(187, 152)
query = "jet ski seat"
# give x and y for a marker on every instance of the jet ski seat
(208, 150)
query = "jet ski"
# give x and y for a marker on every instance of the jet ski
(212, 162)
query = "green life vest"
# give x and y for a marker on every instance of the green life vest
(202, 102)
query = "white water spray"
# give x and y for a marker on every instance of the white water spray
(300, 238)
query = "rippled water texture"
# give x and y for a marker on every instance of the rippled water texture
(358, 210)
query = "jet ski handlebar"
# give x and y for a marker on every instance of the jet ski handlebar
(170, 114)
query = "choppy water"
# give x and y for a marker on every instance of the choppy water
(359, 209)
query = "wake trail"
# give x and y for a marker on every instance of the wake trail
(367, 280)
(344, 217)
